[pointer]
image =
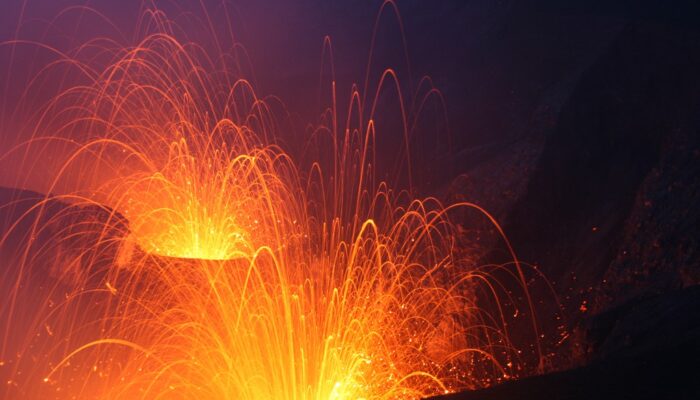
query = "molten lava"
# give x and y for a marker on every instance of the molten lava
(240, 275)
(204, 206)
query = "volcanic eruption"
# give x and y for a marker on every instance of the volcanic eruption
(181, 252)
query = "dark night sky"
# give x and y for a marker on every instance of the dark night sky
(504, 67)
(496, 62)
(493, 60)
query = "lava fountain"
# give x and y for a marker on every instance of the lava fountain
(198, 259)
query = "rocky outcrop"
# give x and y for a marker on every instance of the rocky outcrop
(646, 350)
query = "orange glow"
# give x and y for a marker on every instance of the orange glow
(202, 206)
(241, 274)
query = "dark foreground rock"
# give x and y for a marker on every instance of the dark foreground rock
(645, 349)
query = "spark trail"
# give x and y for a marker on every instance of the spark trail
(199, 260)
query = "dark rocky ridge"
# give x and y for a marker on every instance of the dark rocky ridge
(609, 213)
(630, 113)
(651, 348)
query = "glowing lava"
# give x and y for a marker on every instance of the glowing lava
(242, 276)
(207, 205)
